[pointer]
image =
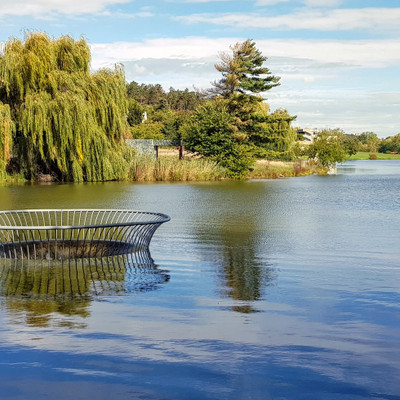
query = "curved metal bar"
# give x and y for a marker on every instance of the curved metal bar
(157, 218)
(53, 234)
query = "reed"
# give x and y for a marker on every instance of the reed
(275, 170)
(144, 168)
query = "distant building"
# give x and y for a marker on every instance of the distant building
(308, 134)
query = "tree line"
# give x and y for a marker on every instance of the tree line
(229, 123)
(58, 118)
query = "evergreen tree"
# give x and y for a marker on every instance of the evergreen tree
(211, 133)
(68, 122)
(244, 77)
(243, 72)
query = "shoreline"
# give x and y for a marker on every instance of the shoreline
(168, 168)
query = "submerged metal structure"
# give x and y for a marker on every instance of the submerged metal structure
(80, 277)
(48, 254)
(76, 233)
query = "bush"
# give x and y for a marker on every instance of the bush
(148, 130)
(373, 157)
(328, 148)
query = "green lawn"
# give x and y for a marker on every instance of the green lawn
(361, 155)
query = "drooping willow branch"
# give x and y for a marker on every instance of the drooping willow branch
(68, 121)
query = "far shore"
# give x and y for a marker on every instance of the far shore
(365, 155)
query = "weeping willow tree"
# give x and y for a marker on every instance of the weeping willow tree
(6, 132)
(62, 119)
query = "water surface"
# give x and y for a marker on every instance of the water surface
(283, 289)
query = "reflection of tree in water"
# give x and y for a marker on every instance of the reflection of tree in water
(245, 274)
(45, 290)
(45, 312)
(231, 222)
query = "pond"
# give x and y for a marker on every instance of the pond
(267, 289)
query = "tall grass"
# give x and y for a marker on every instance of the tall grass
(273, 170)
(15, 179)
(145, 168)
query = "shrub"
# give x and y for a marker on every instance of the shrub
(148, 130)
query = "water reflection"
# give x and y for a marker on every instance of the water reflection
(41, 288)
(233, 234)
(65, 195)
(245, 275)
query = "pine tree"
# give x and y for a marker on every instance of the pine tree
(243, 72)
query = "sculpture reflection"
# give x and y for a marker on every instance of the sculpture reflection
(41, 288)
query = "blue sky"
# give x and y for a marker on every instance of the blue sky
(339, 60)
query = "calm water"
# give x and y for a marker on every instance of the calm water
(284, 289)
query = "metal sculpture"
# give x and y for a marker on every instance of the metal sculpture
(76, 233)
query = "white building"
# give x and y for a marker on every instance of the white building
(308, 134)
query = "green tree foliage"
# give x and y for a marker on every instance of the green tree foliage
(146, 94)
(351, 144)
(272, 132)
(148, 130)
(243, 71)
(166, 111)
(183, 100)
(368, 141)
(390, 144)
(328, 148)
(6, 133)
(135, 112)
(155, 96)
(244, 76)
(161, 124)
(68, 121)
(211, 133)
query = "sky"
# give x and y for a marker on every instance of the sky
(339, 60)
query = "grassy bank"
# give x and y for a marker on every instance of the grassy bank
(147, 169)
(168, 168)
(361, 155)
(17, 179)
(264, 169)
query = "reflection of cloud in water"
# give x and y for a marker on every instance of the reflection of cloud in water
(41, 287)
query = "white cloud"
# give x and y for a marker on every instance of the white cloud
(121, 15)
(49, 7)
(194, 1)
(323, 3)
(258, 2)
(182, 48)
(270, 2)
(352, 53)
(329, 20)
(352, 111)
